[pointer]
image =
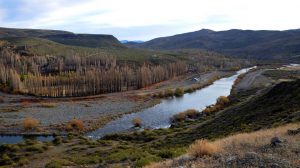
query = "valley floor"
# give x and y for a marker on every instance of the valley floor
(94, 111)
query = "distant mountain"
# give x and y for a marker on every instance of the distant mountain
(264, 45)
(64, 37)
(128, 41)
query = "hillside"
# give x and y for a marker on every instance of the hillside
(86, 40)
(64, 37)
(243, 150)
(263, 45)
(11, 32)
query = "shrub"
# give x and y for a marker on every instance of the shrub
(222, 100)
(57, 140)
(190, 113)
(137, 122)
(166, 154)
(202, 148)
(169, 92)
(75, 124)
(210, 109)
(190, 90)
(6, 160)
(54, 164)
(161, 95)
(179, 92)
(35, 148)
(30, 123)
(23, 161)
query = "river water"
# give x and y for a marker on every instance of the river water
(159, 115)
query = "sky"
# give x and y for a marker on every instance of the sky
(148, 19)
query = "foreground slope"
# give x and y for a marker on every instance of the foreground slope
(265, 45)
(244, 150)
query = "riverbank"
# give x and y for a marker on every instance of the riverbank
(94, 111)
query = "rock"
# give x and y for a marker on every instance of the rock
(294, 132)
(231, 160)
(251, 156)
(275, 165)
(250, 159)
(183, 159)
(275, 141)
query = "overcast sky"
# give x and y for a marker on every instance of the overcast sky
(147, 19)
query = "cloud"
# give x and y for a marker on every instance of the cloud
(145, 19)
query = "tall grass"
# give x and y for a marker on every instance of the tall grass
(202, 148)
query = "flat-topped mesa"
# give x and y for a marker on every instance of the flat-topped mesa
(87, 40)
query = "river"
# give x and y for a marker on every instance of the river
(159, 115)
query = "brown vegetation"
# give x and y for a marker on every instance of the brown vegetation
(48, 105)
(30, 123)
(222, 102)
(190, 113)
(75, 125)
(169, 93)
(179, 92)
(202, 148)
(137, 122)
(51, 76)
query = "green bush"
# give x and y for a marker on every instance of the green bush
(54, 164)
(169, 92)
(57, 140)
(35, 148)
(179, 92)
(6, 160)
(166, 154)
(23, 161)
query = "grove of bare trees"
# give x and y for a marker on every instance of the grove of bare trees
(51, 76)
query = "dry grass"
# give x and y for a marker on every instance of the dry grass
(202, 148)
(75, 125)
(137, 122)
(238, 146)
(248, 141)
(30, 123)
